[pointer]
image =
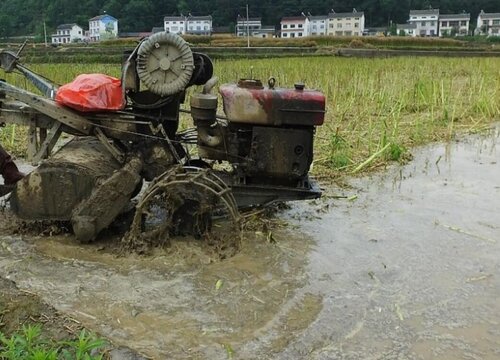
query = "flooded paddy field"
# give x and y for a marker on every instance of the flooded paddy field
(402, 264)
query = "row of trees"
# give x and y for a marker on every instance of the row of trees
(26, 17)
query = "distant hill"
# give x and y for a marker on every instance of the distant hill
(26, 17)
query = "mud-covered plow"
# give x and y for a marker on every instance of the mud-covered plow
(257, 153)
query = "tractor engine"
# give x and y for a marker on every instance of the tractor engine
(267, 134)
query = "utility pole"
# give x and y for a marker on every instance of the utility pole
(45, 33)
(248, 30)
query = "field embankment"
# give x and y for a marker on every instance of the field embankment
(230, 47)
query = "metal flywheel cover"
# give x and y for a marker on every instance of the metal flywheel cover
(165, 63)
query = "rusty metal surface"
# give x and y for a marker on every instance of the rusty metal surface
(280, 153)
(273, 106)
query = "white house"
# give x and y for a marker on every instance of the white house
(407, 29)
(346, 24)
(103, 27)
(252, 26)
(318, 25)
(175, 24)
(199, 25)
(426, 21)
(294, 27)
(488, 24)
(454, 24)
(67, 33)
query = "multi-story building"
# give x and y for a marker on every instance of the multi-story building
(346, 24)
(103, 27)
(199, 25)
(175, 24)
(248, 27)
(488, 24)
(67, 33)
(318, 25)
(426, 22)
(294, 27)
(454, 24)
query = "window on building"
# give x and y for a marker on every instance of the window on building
(433, 23)
(285, 26)
(284, 35)
(495, 22)
(339, 26)
(444, 23)
(356, 25)
(348, 19)
(423, 23)
(338, 33)
(331, 25)
(463, 23)
(300, 26)
(292, 35)
(348, 24)
(292, 26)
(300, 34)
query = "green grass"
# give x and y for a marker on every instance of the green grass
(403, 102)
(29, 344)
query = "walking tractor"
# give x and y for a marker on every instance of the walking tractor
(128, 155)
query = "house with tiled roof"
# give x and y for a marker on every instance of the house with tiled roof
(346, 24)
(199, 25)
(407, 29)
(454, 24)
(488, 24)
(426, 22)
(175, 24)
(318, 25)
(67, 33)
(294, 27)
(253, 27)
(103, 27)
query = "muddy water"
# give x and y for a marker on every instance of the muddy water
(409, 269)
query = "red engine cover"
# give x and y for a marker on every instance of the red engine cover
(249, 102)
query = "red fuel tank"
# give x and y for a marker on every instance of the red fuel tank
(251, 103)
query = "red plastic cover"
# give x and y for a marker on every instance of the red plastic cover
(92, 92)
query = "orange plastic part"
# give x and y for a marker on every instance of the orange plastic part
(91, 93)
